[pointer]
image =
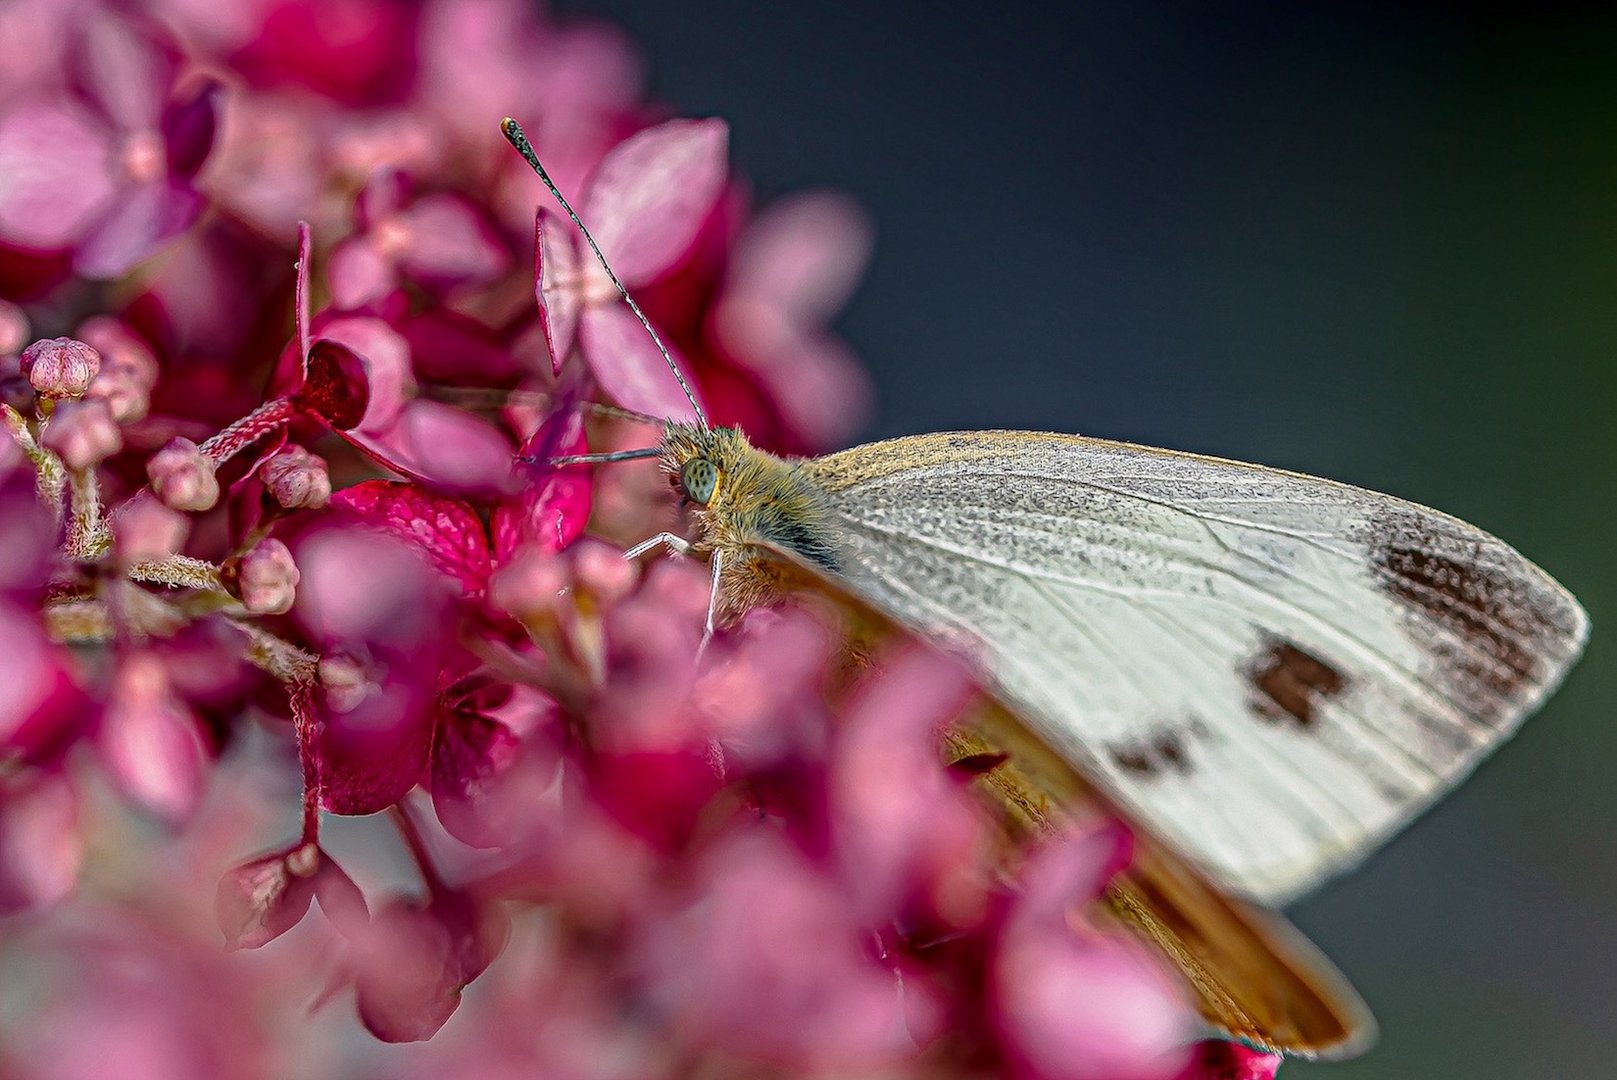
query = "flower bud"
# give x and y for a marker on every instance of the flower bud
(83, 434)
(60, 367)
(297, 479)
(13, 328)
(128, 368)
(145, 529)
(265, 579)
(182, 476)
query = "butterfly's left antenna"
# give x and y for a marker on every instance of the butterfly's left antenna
(513, 134)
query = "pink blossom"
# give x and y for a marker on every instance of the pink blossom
(107, 172)
(262, 570)
(645, 203)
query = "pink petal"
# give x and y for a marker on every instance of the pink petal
(652, 194)
(261, 899)
(449, 347)
(803, 255)
(767, 961)
(417, 959)
(553, 505)
(139, 223)
(447, 530)
(380, 616)
(373, 751)
(189, 125)
(1103, 1010)
(359, 274)
(556, 286)
(150, 741)
(1216, 1059)
(126, 67)
(382, 196)
(482, 787)
(54, 175)
(40, 849)
(336, 385)
(1072, 869)
(300, 292)
(444, 447)
(28, 535)
(905, 831)
(386, 356)
(449, 242)
(1074, 1003)
(628, 366)
(41, 708)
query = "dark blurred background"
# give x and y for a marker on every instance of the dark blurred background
(1374, 243)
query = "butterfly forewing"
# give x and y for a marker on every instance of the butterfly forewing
(1275, 670)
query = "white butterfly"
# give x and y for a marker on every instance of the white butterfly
(1268, 671)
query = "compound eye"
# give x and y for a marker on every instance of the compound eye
(699, 478)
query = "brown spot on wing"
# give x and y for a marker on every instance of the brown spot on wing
(1163, 752)
(1479, 607)
(1496, 627)
(1289, 682)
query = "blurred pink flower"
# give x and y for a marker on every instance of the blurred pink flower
(646, 204)
(106, 171)
(242, 560)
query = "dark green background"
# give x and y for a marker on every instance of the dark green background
(1375, 243)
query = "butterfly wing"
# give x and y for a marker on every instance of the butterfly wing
(1275, 671)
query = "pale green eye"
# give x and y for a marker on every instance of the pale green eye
(699, 477)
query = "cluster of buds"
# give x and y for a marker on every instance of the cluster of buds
(278, 517)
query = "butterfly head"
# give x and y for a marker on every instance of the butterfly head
(741, 496)
(698, 460)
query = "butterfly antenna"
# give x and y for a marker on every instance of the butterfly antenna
(513, 134)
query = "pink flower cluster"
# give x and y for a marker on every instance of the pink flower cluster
(268, 529)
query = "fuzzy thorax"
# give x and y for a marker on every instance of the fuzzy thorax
(760, 501)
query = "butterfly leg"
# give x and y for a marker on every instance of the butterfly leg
(677, 544)
(712, 609)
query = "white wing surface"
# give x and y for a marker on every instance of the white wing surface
(1275, 671)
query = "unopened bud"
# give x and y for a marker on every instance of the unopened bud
(128, 368)
(346, 681)
(265, 579)
(60, 367)
(144, 529)
(182, 476)
(297, 479)
(531, 586)
(83, 434)
(13, 328)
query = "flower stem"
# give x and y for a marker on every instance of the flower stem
(410, 831)
(268, 417)
(88, 537)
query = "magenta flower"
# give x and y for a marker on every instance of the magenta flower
(646, 203)
(106, 171)
(256, 580)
